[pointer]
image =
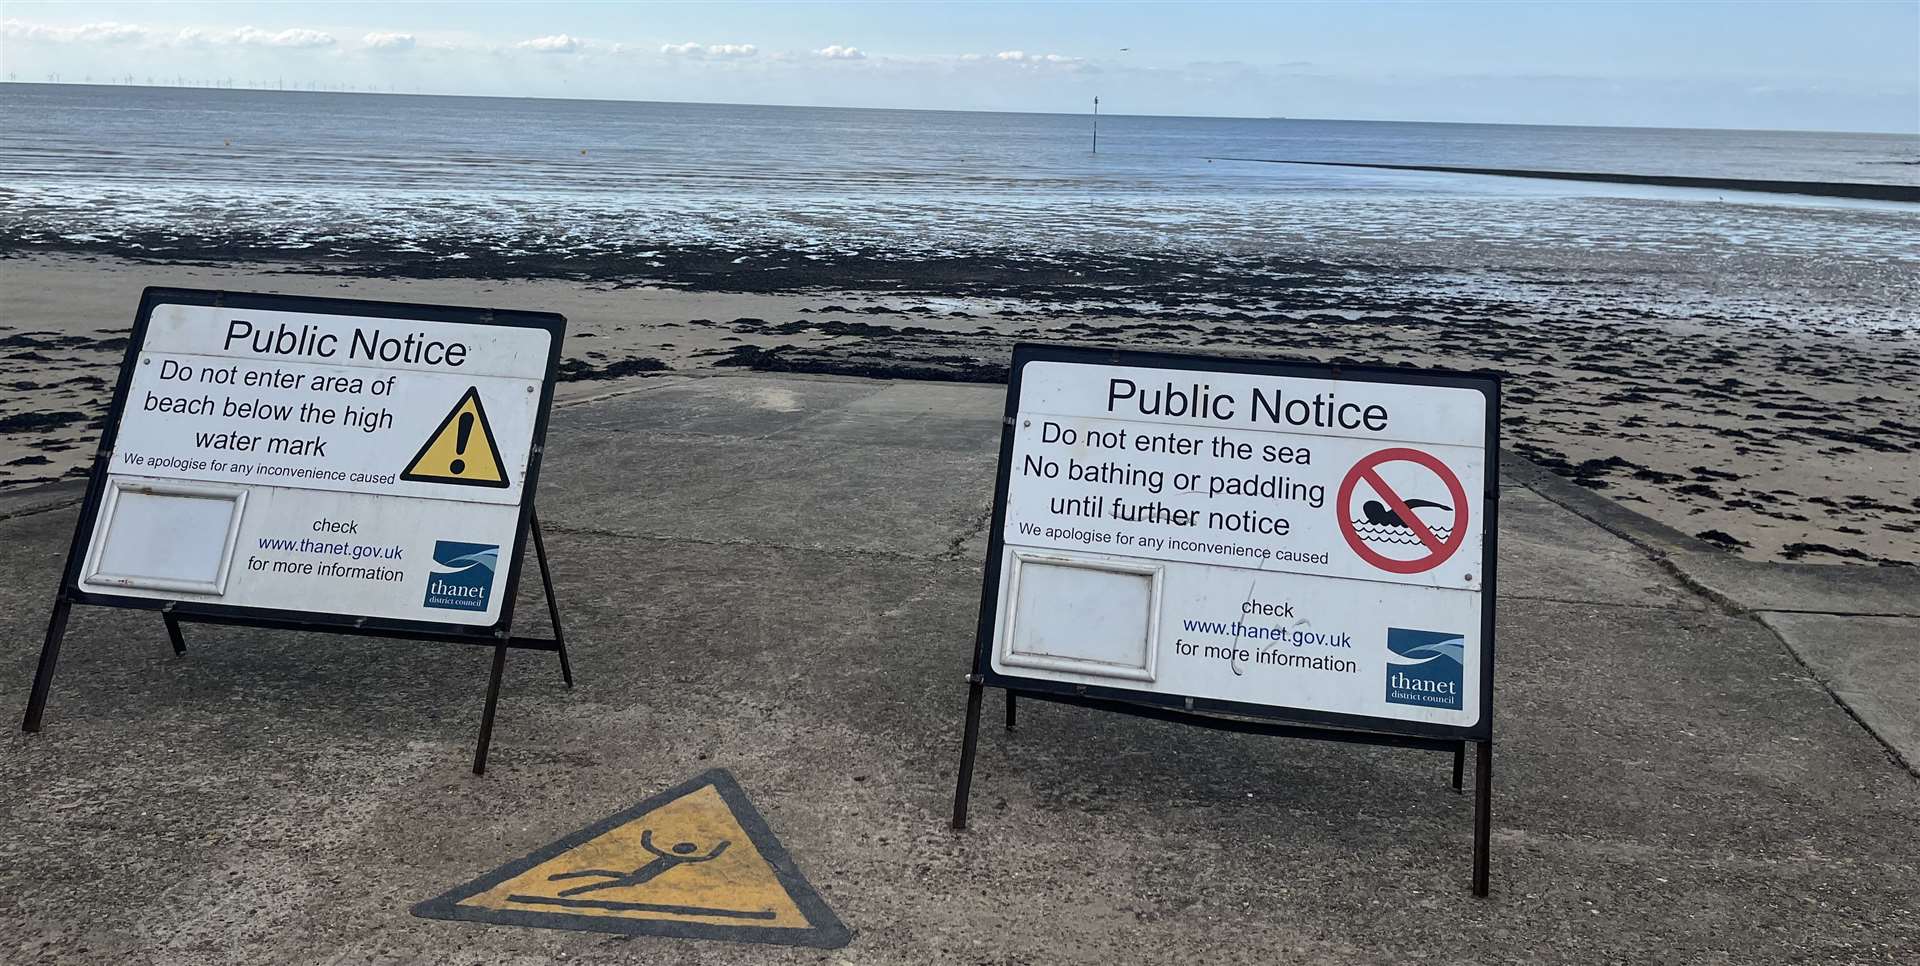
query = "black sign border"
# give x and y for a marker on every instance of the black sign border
(553, 324)
(1486, 383)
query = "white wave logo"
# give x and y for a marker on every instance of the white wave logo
(1453, 649)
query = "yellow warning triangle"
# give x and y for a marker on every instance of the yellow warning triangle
(461, 450)
(695, 861)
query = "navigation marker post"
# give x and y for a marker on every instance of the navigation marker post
(318, 464)
(1276, 548)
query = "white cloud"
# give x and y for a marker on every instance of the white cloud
(112, 33)
(291, 38)
(838, 52)
(1022, 57)
(126, 33)
(108, 32)
(709, 51)
(388, 41)
(556, 44)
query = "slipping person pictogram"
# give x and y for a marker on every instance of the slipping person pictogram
(682, 854)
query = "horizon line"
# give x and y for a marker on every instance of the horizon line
(951, 110)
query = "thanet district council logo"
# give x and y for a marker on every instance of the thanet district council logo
(469, 581)
(1425, 668)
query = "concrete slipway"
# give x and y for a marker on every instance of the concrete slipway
(1700, 760)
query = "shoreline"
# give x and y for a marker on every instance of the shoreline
(1772, 441)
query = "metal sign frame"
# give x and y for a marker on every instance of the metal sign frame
(174, 612)
(1235, 715)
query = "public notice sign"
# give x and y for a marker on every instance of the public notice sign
(1275, 539)
(329, 461)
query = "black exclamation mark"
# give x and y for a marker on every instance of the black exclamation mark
(459, 466)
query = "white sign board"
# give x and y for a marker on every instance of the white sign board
(1272, 539)
(320, 457)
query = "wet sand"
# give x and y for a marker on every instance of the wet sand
(1772, 439)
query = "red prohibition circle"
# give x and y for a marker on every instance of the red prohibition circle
(1438, 551)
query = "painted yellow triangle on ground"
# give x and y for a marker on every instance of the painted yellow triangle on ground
(696, 861)
(688, 859)
(461, 450)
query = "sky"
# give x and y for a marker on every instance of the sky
(1851, 66)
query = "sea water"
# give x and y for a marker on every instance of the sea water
(557, 186)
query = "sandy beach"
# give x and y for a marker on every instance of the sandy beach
(1772, 440)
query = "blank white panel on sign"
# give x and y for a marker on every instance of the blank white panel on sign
(166, 536)
(1087, 615)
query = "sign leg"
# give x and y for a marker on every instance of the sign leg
(1482, 814)
(1459, 763)
(553, 603)
(49, 656)
(1010, 707)
(173, 634)
(964, 785)
(493, 701)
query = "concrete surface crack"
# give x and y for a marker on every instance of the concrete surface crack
(957, 545)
